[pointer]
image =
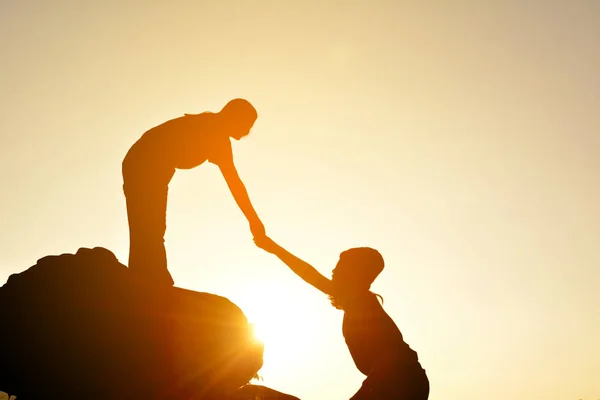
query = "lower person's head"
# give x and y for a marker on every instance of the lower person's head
(355, 271)
(237, 118)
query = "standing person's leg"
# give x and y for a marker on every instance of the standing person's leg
(146, 214)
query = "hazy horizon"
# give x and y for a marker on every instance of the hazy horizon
(462, 141)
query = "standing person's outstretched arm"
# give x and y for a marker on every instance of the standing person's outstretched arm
(238, 191)
(301, 268)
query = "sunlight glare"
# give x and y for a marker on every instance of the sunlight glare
(284, 321)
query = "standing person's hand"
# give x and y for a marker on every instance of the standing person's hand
(257, 229)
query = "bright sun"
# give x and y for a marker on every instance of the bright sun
(259, 332)
(284, 322)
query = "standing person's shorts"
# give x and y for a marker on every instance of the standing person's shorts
(146, 193)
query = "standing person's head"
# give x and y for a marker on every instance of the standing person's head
(237, 118)
(354, 273)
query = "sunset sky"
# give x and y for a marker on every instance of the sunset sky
(459, 138)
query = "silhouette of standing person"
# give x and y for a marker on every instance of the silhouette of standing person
(376, 345)
(181, 143)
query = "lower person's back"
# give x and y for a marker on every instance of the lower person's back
(379, 351)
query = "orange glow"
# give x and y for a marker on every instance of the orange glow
(461, 139)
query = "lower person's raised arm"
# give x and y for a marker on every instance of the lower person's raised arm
(300, 267)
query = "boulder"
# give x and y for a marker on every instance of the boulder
(79, 326)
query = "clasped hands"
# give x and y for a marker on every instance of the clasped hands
(260, 237)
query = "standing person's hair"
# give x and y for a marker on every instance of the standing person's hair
(240, 108)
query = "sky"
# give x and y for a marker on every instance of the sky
(459, 138)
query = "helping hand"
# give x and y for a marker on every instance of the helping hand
(265, 243)
(257, 229)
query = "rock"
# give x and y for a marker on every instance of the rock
(78, 326)
(259, 392)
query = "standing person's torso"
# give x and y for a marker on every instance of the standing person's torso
(369, 332)
(182, 143)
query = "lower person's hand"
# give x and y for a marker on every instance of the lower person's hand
(265, 243)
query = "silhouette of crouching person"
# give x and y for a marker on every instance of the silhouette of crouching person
(375, 343)
(181, 143)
